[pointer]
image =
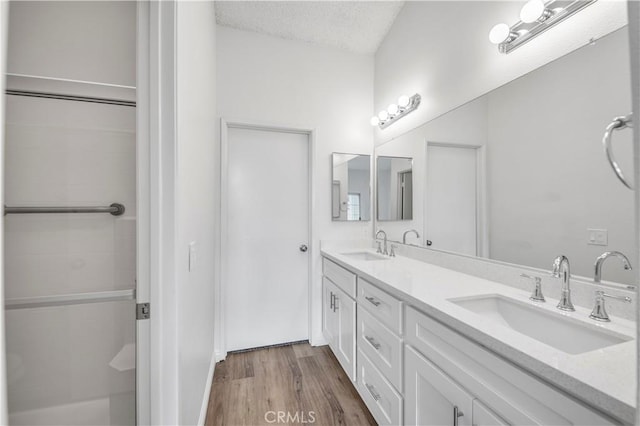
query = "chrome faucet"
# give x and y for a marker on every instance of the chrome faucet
(599, 312)
(385, 252)
(561, 270)
(604, 256)
(404, 236)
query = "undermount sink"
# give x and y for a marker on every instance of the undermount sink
(554, 329)
(364, 255)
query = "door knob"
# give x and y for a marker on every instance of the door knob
(429, 242)
(303, 248)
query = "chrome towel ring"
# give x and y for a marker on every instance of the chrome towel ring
(618, 123)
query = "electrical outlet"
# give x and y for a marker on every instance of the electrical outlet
(597, 237)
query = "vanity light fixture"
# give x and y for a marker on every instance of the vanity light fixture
(405, 105)
(536, 17)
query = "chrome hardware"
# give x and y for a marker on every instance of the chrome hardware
(456, 415)
(385, 241)
(604, 256)
(599, 312)
(392, 252)
(429, 242)
(331, 302)
(562, 270)
(536, 294)
(143, 311)
(116, 209)
(618, 123)
(379, 250)
(404, 236)
(373, 342)
(304, 248)
(373, 301)
(372, 391)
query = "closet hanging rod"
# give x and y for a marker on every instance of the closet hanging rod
(70, 299)
(115, 209)
(34, 94)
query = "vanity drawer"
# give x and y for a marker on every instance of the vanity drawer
(340, 276)
(382, 399)
(383, 306)
(382, 347)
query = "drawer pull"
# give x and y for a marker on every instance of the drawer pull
(373, 301)
(374, 394)
(456, 414)
(373, 342)
(332, 301)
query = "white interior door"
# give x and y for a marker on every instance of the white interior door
(267, 273)
(452, 199)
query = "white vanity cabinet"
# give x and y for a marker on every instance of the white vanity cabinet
(339, 315)
(412, 369)
(501, 392)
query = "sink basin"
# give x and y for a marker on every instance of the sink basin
(554, 329)
(365, 255)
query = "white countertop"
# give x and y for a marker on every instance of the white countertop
(604, 378)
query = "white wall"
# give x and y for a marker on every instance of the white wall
(441, 50)
(267, 80)
(86, 40)
(197, 191)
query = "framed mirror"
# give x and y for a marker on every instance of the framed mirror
(394, 186)
(528, 163)
(350, 187)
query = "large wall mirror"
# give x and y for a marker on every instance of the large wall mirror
(519, 174)
(350, 187)
(394, 188)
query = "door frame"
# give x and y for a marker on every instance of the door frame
(220, 343)
(482, 224)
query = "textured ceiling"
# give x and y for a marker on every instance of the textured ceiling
(358, 26)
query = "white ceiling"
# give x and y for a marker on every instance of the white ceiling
(357, 26)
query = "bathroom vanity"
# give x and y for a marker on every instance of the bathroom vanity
(424, 344)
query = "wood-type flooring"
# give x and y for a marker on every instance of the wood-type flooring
(295, 384)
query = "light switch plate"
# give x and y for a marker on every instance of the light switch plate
(597, 237)
(192, 256)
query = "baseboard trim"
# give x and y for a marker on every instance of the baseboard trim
(207, 391)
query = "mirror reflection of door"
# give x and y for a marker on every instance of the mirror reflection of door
(394, 183)
(405, 195)
(335, 200)
(351, 187)
(452, 198)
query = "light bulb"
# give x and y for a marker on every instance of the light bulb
(499, 33)
(383, 115)
(403, 101)
(374, 121)
(533, 11)
(392, 109)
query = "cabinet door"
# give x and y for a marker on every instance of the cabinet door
(329, 322)
(483, 416)
(432, 397)
(345, 308)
